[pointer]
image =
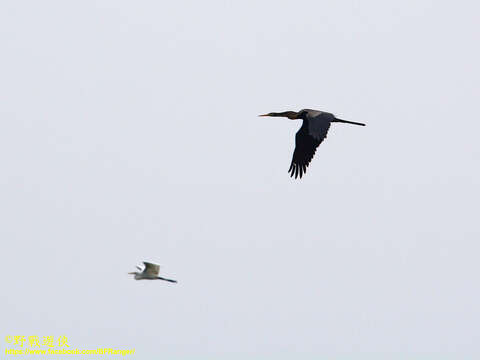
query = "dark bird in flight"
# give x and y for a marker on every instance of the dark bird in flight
(150, 272)
(313, 131)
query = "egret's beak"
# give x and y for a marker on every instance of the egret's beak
(131, 273)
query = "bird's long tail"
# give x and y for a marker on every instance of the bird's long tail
(169, 280)
(348, 122)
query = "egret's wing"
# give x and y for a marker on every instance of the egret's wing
(307, 139)
(150, 268)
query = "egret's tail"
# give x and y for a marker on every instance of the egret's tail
(348, 122)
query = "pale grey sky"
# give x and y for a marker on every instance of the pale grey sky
(130, 132)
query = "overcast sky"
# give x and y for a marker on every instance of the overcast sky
(129, 132)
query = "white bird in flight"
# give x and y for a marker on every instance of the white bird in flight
(150, 272)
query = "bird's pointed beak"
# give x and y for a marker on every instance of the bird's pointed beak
(131, 273)
(264, 115)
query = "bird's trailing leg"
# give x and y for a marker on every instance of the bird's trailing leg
(169, 280)
(348, 122)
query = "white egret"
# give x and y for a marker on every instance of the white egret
(150, 272)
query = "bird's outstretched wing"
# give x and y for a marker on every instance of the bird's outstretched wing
(150, 268)
(307, 139)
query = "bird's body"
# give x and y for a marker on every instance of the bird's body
(313, 131)
(150, 272)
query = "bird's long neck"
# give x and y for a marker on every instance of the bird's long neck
(289, 114)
